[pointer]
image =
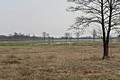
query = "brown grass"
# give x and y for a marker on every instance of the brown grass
(59, 63)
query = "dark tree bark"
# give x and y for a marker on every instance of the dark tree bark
(105, 42)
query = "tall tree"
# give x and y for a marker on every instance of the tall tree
(105, 13)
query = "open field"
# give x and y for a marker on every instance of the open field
(58, 62)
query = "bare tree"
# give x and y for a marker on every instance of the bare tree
(94, 33)
(70, 37)
(67, 35)
(44, 34)
(78, 35)
(48, 37)
(105, 13)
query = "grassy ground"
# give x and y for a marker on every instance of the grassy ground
(54, 62)
(39, 43)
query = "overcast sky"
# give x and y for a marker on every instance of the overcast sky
(35, 16)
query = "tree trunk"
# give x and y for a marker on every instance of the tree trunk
(105, 41)
(106, 50)
(106, 47)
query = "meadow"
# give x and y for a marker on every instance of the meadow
(34, 61)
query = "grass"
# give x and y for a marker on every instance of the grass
(52, 43)
(58, 62)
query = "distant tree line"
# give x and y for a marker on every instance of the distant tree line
(46, 37)
(19, 36)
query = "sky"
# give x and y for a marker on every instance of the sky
(35, 16)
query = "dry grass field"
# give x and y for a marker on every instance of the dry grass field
(64, 62)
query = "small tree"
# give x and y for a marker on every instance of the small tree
(78, 35)
(70, 37)
(118, 32)
(67, 35)
(48, 36)
(44, 34)
(94, 33)
(15, 35)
